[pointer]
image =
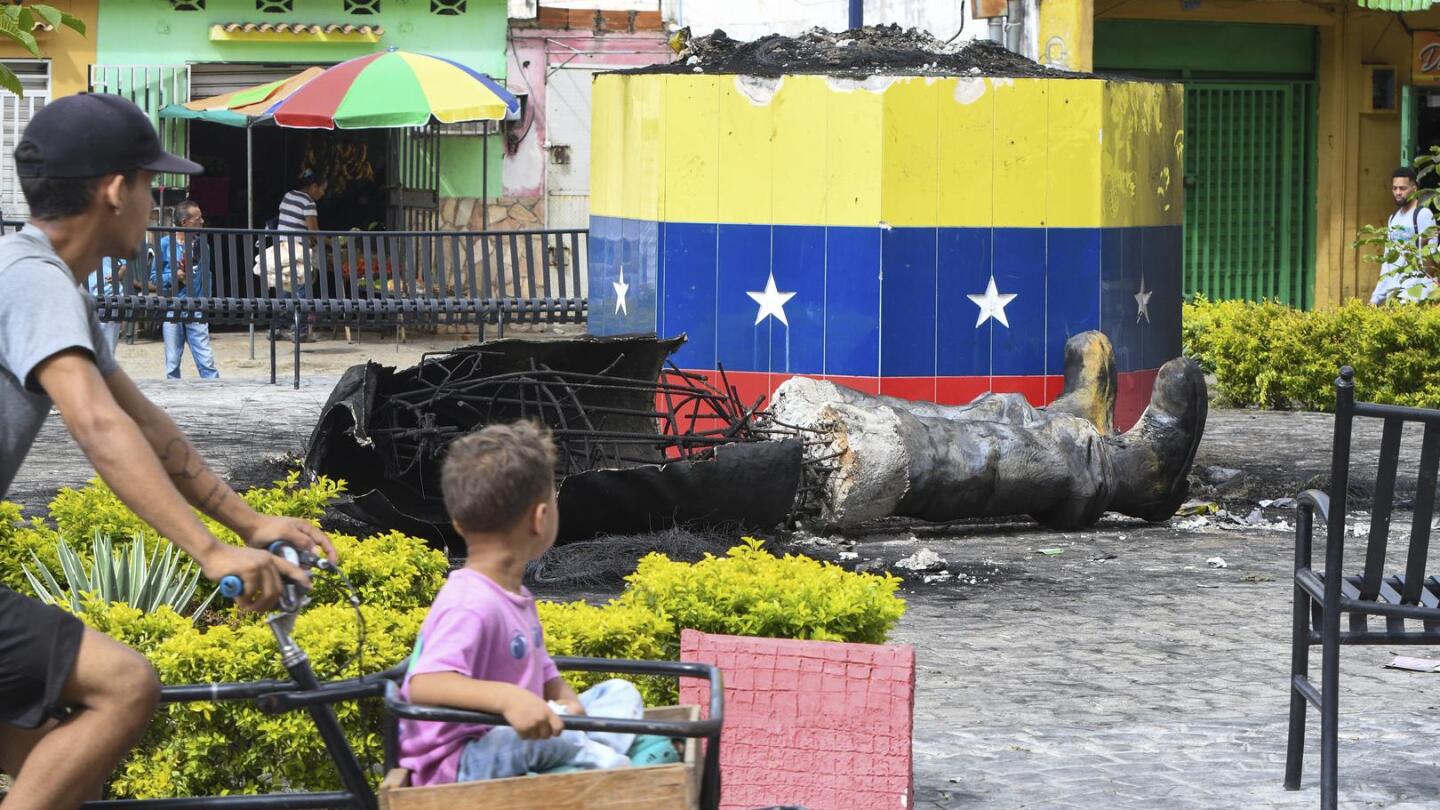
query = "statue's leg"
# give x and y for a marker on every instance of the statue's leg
(880, 460)
(886, 461)
(1090, 381)
(1152, 460)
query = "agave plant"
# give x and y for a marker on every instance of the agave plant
(132, 577)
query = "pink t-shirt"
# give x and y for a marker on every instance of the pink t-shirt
(482, 631)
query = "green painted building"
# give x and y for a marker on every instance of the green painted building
(160, 52)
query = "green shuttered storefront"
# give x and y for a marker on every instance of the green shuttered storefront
(1250, 118)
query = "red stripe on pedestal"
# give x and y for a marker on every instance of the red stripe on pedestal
(1131, 397)
(1032, 387)
(865, 385)
(917, 388)
(960, 390)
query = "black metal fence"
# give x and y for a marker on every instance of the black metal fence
(349, 277)
(272, 279)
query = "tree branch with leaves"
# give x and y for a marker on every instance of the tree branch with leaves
(17, 23)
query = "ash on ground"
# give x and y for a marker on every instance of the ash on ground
(872, 50)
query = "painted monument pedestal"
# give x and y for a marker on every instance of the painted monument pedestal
(917, 236)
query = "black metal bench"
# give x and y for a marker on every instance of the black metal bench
(358, 279)
(1406, 605)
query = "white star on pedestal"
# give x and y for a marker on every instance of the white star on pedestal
(992, 304)
(620, 289)
(771, 301)
(1142, 302)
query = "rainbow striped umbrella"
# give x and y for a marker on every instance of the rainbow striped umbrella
(394, 89)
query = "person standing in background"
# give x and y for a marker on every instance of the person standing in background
(1405, 230)
(180, 271)
(298, 211)
(298, 214)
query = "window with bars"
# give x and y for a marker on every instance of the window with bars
(187, 5)
(447, 8)
(275, 6)
(362, 6)
(15, 113)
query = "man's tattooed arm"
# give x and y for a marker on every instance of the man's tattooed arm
(201, 486)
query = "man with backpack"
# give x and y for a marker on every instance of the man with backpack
(1408, 227)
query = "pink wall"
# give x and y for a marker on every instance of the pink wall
(533, 52)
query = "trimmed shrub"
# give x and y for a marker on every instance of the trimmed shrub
(751, 592)
(18, 539)
(94, 507)
(611, 631)
(1273, 356)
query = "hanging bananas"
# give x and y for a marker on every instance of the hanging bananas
(340, 163)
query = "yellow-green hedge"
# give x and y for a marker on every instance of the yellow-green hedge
(1273, 356)
(218, 748)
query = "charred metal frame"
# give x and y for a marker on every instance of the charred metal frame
(585, 438)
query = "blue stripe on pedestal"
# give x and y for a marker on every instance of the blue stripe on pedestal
(1019, 349)
(882, 302)
(1160, 338)
(798, 262)
(962, 349)
(1072, 290)
(688, 303)
(907, 302)
(852, 301)
(630, 247)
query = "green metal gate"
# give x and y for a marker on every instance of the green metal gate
(1250, 190)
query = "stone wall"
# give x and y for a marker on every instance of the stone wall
(511, 265)
(505, 214)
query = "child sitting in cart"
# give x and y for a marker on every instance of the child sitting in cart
(481, 647)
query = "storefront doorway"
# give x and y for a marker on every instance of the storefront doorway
(354, 160)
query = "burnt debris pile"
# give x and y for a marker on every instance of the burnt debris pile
(642, 446)
(869, 51)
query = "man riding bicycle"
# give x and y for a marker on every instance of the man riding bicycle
(73, 701)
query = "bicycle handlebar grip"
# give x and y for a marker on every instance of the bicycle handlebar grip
(231, 586)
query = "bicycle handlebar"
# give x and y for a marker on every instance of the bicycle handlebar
(292, 594)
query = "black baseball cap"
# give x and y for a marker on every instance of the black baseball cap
(93, 135)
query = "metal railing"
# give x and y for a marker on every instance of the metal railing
(353, 276)
(269, 279)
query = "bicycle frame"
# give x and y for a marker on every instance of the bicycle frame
(304, 691)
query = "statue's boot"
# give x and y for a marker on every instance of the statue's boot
(1090, 381)
(1152, 460)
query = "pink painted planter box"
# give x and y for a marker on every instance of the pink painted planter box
(815, 723)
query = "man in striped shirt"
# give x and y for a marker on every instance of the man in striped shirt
(297, 209)
(297, 213)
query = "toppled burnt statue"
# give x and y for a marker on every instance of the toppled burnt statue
(1062, 465)
(641, 447)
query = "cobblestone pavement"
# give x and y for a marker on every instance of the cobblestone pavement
(1122, 673)
(1127, 673)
